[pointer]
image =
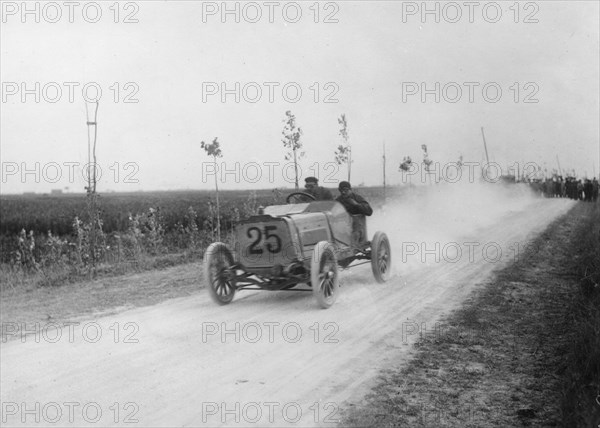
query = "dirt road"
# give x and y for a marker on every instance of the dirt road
(267, 358)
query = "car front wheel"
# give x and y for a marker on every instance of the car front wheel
(217, 273)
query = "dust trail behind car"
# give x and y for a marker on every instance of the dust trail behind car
(430, 224)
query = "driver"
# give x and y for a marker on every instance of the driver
(354, 204)
(320, 193)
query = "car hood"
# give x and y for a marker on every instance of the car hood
(311, 207)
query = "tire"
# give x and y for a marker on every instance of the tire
(324, 275)
(217, 259)
(381, 257)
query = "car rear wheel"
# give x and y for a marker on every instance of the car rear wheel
(217, 273)
(324, 275)
(381, 257)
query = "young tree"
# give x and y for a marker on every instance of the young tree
(343, 154)
(426, 161)
(406, 163)
(406, 166)
(213, 149)
(291, 141)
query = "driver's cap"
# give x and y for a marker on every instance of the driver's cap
(312, 180)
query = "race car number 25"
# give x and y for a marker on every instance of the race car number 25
(272, 241)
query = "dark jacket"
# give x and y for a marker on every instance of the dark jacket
(355, 204)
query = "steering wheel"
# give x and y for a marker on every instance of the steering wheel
(299, 197)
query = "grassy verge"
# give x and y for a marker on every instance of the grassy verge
(581, 390)
(101, 296)
(61, 274)
(523, 350)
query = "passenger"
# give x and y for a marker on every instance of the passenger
(313, 188)
(354, 204)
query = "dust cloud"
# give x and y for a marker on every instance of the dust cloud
(425, 224)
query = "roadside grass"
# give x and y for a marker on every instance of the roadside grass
(522, 351)
(60, 292)
(581, 392)
(102, 296)
(57, 275)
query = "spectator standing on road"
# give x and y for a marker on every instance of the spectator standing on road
(588, 188)
(579, 190)
(557, 185)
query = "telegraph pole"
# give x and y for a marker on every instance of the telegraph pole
(487, 159)
(384, 171)
(91, 189)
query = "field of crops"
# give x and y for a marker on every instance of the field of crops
(41, 214)
(55, 213)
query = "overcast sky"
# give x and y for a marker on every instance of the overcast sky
(367, 63)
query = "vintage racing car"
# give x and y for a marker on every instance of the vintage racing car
(299, 247)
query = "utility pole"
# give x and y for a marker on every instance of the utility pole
(91, 189)
(559, 168)
(384, 171)
(487, 159)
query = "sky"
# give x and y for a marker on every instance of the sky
(175, 73)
